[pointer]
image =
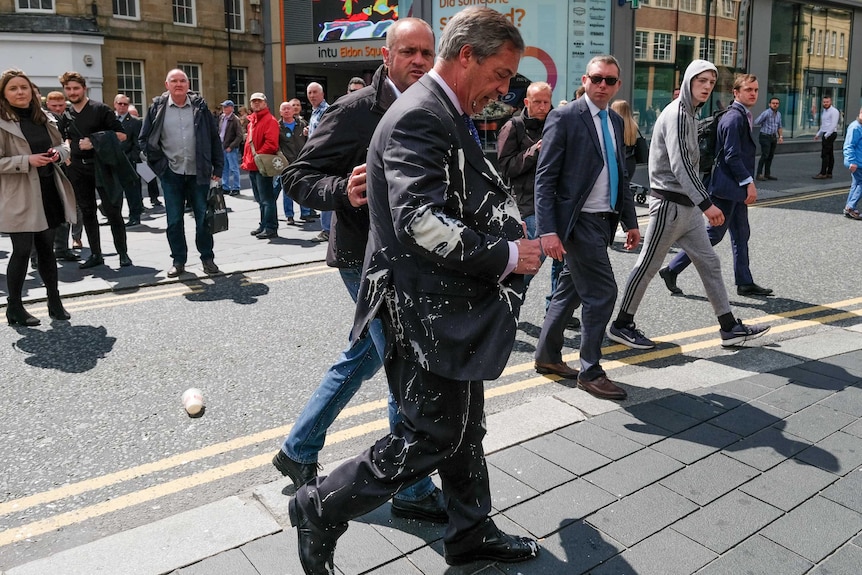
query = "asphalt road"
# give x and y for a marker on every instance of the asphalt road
(96, 440)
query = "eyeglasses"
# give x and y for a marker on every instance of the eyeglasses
(122, 103)
(609, 80)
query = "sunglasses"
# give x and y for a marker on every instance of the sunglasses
(609, 80)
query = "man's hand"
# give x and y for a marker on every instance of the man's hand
(529, 257)
(535, 148)
(85, 144)
(633, 238)
(356, 187)
(714, 215)
(552, 246)
(853, 168)
(752, 194)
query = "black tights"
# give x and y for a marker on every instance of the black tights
(16, 270)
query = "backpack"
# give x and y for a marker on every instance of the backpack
(707, 134)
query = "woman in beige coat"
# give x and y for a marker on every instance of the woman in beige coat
(35, 196)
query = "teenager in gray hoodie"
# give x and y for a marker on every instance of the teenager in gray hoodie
(677, 206)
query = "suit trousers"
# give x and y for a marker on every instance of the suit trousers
(670, 224)
(83, 180)
(588, 280)
(768, 143)
(735, 221)
(827, 154)
(442, 428)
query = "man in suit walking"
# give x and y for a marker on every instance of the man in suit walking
(444, 271)
(581, 197)
(732, 188)
(132, 127)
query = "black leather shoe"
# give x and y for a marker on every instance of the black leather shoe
(573, 323)
(125, 260)
(316, 546)
(133, 222)
(752, 289)
(93, 261)
(176, 270)
(267, 234)
(17, 315)
(256, 231)
(299, 473)
(669, 280)
(57, 311)
(66, 255)
(210, 267)
(498, 547)
(431, 508)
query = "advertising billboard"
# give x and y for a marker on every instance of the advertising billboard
(339, 20)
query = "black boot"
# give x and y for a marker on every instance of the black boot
(56, 309)
(17, 315)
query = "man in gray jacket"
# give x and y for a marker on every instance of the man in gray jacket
(677, 206)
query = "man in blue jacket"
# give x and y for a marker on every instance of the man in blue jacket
(732, 188)
(185, 177)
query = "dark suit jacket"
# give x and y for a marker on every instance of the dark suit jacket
(441, 219)
(570, 161)
(132, 127)
(736, 160)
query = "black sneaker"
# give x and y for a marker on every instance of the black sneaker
(630, 336)
(742, 333)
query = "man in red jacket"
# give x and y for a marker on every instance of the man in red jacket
(263, 136)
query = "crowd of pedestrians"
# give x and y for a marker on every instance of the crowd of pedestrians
(432, 243)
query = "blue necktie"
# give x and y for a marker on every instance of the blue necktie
(611, 154)
(472, 127)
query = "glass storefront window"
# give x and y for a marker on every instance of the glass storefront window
(807, 63)
(669, 35)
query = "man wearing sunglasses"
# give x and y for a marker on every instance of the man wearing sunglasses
(581, 195)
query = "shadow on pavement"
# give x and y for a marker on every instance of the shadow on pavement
(236, 287)
(64, 347)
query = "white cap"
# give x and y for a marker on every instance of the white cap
(258, 96)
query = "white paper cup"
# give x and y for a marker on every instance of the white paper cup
(193, 400)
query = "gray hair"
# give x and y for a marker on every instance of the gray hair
(603, 59)
(483, 29)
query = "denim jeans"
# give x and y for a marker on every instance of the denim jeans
(326, 221)
(264, 195)
(177, 189)
(287, 201)
(230, 178)
(855, 190)
(356, 364)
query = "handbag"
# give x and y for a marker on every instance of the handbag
(269, 165)
(641, 150)
(216, 214)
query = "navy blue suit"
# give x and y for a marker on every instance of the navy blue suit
(735, 165)
(570, 162)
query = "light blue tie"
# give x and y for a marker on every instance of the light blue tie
(611, 154)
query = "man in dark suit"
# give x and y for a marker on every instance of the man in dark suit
(732, 187)
(444, 271)
(581, 196)
(132, 127)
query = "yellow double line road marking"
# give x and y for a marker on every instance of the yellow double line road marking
(36, 528)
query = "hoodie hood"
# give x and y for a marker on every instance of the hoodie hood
(693, 69)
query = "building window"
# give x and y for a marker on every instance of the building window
(35, 5)
(184, 12)
(727, 8)
(688, 5)
(193, 71)
(237, 91)
(130, 81)
(641, 43)
(661, 48)
(841, 46)
(126, 9)
(834, 44)
(234, 15)
(727, 53)
(811, 39)
(710, 53)
(663, 3)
